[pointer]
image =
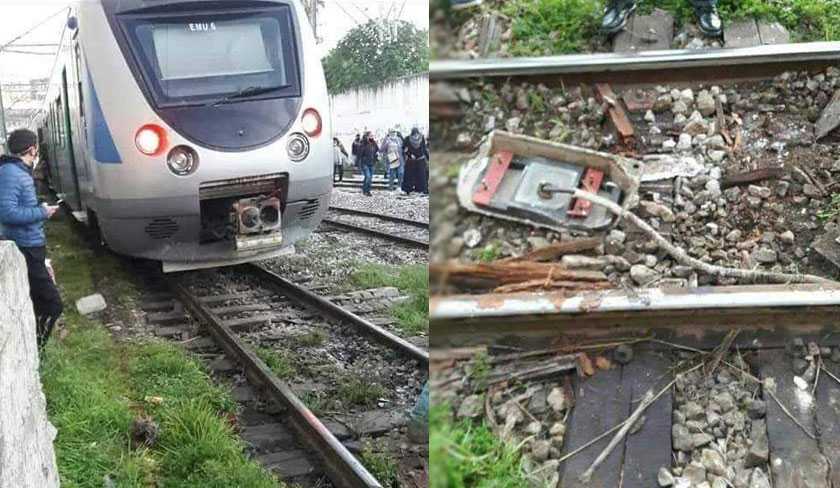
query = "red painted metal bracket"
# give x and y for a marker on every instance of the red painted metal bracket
(492, 178)
(591, 183)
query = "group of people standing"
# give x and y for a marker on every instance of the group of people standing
(406, 160)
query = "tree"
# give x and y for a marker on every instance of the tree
(372, 54)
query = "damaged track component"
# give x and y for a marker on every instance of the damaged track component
(536, 186)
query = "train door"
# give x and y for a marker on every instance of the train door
(70, 189)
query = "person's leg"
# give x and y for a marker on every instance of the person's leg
(392, 175)
(367, 171)
(708, 18)
(401, 173)
(616, 14)
(46, 299)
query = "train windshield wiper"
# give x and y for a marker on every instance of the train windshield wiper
(249, 92)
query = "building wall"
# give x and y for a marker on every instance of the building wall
(404, 102)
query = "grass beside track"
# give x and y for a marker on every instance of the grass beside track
(97, 386)
(469, 455)
(413, 314)
(543, 27)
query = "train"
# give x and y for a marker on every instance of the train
(191, 132)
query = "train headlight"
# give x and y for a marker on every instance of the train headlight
(182, 160)
(311, 122)
(297, 147)
(150, 140)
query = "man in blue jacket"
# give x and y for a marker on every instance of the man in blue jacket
(22, 221)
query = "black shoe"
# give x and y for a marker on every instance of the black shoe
(708, 19)
(616, 15)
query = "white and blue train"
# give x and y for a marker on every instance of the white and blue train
(192, 132)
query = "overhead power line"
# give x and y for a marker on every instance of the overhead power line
(28, 31)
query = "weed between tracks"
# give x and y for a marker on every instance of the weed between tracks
(280, 362)
(96, 386)
(413, 314)
(466, 454)
(381, 465)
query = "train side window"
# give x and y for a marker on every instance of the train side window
(60, 109)
(79, 78)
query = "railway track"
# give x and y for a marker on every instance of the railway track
(649, 66)
(767, 411)
(301, 446)
(404, 231)
(753, 409)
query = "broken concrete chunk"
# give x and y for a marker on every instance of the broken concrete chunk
(830, 117)
(91, 304)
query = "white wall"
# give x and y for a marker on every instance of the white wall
(403, 102)
(26, 435)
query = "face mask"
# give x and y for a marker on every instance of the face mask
(35, 162)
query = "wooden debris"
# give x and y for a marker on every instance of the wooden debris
(720, 352)
(556, 250)
(585, 364)
(493, 275)
(575, 286)
(646, 402)
(534, 371)
(602, 363)
(618, 116)
(751, 177)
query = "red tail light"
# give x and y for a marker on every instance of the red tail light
(311, 122)
(151, 140)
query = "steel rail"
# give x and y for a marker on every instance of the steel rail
(327, 307)
(339, 464)
(606, 312)
(420, 244)
(742, 58)
(389, 218)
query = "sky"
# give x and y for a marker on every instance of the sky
(337, 17)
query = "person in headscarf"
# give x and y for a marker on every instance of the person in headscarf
(392, 149)
(416, 163)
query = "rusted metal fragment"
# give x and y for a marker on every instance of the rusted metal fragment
(830, 117)
(618, 116)
(752, 177)
(493, 178)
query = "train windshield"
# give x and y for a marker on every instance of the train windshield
(196, 59)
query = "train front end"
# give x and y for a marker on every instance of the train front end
(218, 147)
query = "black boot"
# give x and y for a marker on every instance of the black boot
(708, 18)
(616, 15)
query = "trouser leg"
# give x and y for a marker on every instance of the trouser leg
(46, 299)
